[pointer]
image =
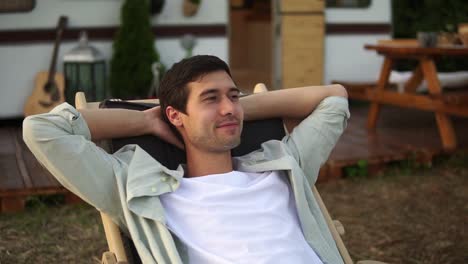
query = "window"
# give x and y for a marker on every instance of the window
(16, 6)
(348, 3)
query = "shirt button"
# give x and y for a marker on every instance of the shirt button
(164, 179)
(153, 189)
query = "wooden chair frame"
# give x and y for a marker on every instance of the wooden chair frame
(116, 253)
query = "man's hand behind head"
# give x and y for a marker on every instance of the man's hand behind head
(159, 128)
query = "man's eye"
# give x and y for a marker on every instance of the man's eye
(235, 96)
(211, 98)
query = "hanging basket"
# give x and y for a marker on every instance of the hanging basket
(190, 8)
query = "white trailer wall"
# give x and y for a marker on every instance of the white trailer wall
(19, 63)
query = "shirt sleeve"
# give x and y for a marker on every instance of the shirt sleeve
(61, 141)
(314, 138)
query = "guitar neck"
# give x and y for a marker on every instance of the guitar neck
(59, 31)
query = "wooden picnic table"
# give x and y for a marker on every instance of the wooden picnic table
(435, 100)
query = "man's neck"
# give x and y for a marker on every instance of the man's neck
(203, 163)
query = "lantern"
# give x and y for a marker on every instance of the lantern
(85, 71)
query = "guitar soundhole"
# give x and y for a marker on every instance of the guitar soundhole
(55, 96)
(51, 88)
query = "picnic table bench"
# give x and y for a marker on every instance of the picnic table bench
(436, 100)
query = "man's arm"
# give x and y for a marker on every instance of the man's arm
(116, 123)
(287, 103)
(324, 110)
(60, 140)
(294, 103)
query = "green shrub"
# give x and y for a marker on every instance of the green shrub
(133, 52)
(411, 16)
(361, 169)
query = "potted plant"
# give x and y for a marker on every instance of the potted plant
(428, 25)
(133, 52)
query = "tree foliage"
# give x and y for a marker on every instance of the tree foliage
(133, 52)
(411, 16)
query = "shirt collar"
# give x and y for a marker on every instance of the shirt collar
(146, 180)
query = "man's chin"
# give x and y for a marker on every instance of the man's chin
(230, 145)
(234, 145)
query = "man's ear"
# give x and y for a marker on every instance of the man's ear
(174, 116)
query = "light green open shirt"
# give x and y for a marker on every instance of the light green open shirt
(127, 184)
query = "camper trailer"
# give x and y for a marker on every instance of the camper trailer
(278, 42)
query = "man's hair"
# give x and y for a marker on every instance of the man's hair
(173, 89)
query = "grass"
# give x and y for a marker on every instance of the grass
(410, 213)
(47, 233)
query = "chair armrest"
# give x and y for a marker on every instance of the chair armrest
(114, 239)
(109, 258)
(333, 230)
(112, 231)
(370, 262)
(339, 227)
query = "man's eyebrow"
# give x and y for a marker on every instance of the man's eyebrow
(234, 89)
(209, 91)
(215, 91)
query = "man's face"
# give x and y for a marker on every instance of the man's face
(214, 116)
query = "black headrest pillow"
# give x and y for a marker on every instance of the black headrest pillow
(254, 133)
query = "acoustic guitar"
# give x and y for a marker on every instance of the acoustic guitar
(48, 86)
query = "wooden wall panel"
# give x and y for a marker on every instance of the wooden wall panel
(259, 45)
(250, 46)
(302, 6)
(238, 39)
(302, 50)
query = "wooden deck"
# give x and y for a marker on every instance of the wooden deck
(21, 175)
(401, 134)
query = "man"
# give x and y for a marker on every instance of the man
(257, 208)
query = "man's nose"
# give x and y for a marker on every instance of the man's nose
(227, 106)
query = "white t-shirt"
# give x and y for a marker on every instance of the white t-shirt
(238, 217)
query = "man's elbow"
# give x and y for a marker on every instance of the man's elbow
(339, 90)
(29, 135)
(35, 131)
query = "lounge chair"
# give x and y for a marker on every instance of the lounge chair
(121, 249)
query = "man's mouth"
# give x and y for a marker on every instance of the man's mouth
(228, 124)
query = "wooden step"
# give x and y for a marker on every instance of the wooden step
(16, 202)
(21, 175)
(456, 97)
